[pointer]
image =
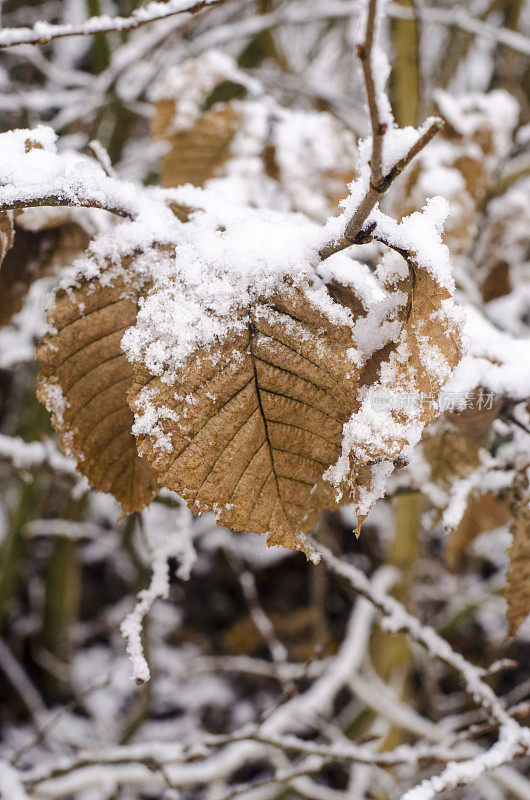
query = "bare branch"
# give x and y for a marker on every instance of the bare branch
(306, 768)
(341, 750)
(19, 679)
(257, 667)
(423, 140)
(364, 51)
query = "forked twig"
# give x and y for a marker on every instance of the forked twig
(379, 182)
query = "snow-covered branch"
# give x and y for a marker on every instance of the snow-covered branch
(33, 174)
(43, 32)
(513, 739)
(397, 619)
(32, 456)
(386, 160)
(459, 18)
(176, 543)
(297, 14)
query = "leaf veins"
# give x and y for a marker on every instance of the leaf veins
(83, 381)
(251, 425)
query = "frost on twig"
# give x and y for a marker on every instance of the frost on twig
(392, 149)
(163, 542)
(42, 32)
(513, 738)
(513, 741)
(397, 618)
(33, 174)
(33, 456)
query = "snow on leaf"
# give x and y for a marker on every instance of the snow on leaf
(456, 455)
(250, 424)
(312, 156)
(84, 378)
(495, 360)
(399, 389)
(254, 376)
(461, 162)
(197, 129)
(197, 154)
(221, 129)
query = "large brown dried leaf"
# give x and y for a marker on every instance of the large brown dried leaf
(429, 336)
(250, 427)
(253, 423)
(83, 381)
(517, 589)
(416, 367)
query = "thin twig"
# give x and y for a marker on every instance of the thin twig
(379, 183)
(514, 740)
(354, 232)
(364, 51)
(297, 13)
(21, 682)
(307, 767)
(259, 617)
(164, 754)
(417, 10)
(42, 33)
(101, 155)
(75, 198)
(512, 418)
(378, 186)
(50, 724)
